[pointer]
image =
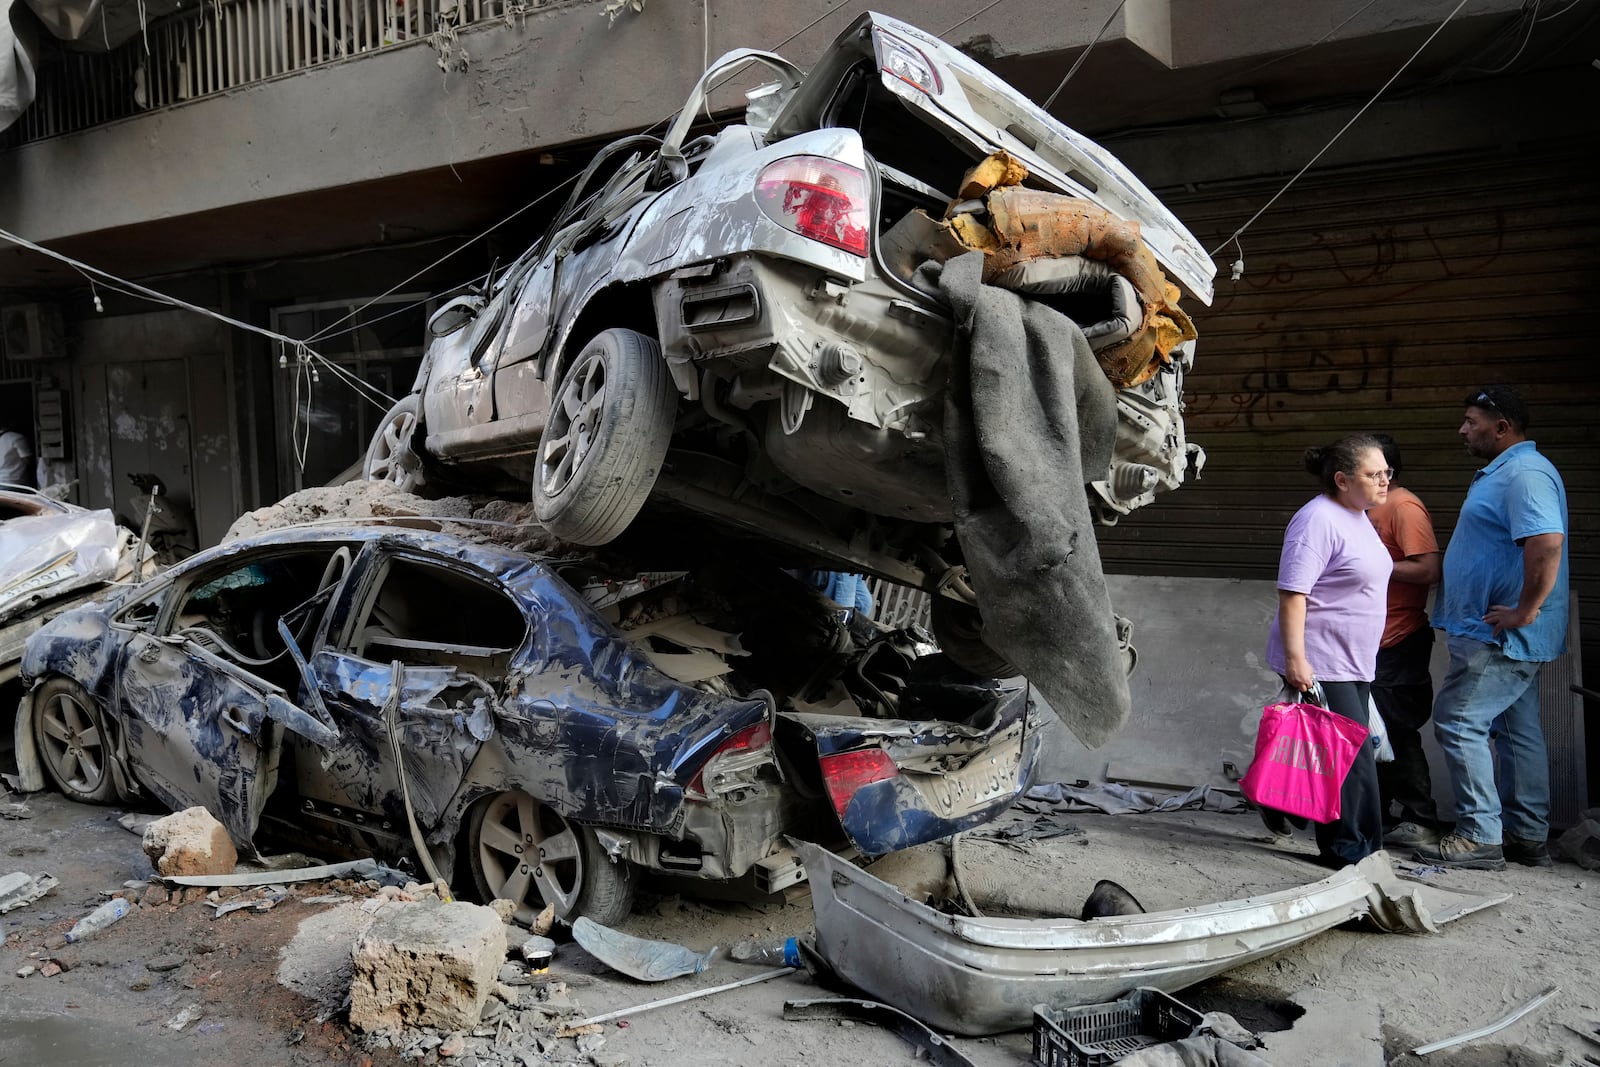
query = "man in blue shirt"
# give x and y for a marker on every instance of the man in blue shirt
(1503, 608)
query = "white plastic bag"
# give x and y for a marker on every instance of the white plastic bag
(1379, 731)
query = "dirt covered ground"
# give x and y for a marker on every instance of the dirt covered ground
(1351, 996)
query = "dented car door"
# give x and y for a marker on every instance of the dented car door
(411, 685)
(196, 730)
(433, 718)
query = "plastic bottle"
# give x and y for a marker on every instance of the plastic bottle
(98, 919)
(782, 951)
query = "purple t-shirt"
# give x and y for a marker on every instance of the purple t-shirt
(1335, 557)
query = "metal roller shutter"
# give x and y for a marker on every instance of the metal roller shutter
(1374, 300)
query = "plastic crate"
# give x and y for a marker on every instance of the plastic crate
(1097, 1035)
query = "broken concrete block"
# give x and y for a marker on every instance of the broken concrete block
(190, 842)
(426, 964)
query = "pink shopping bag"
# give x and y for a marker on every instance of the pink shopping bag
(1303, 753)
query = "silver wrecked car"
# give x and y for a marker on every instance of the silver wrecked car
(732, 323)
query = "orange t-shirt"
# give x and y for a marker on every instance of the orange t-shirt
(1406, 529)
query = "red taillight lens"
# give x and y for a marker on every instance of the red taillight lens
(845, 772)
(747, 740)
(817, 198)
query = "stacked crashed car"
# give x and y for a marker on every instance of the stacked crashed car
(533, 727)
(53, 555)
(733, 322)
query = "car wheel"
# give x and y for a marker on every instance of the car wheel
(390, 457)
(958, 628)
(74, 746)
(527, 852)
(610, 421)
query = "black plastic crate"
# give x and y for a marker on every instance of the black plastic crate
(1097, 1035)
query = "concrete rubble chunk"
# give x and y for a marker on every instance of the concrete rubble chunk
(191, 842)
(426, 964)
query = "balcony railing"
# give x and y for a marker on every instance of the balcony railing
(222, 46)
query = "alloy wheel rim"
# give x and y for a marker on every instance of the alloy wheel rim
(73, 743)
(529, 854)
(573, 425)
(394, 462)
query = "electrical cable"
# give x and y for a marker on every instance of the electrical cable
(1306, 48)
(1085, 53)
(969, 18)
(453, 252)
(1530, 16)
(1234, 236)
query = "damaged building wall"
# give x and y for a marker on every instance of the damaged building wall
(152, 394)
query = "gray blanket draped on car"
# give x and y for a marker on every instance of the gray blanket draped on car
(1030, 419)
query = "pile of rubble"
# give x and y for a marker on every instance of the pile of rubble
(487, 519)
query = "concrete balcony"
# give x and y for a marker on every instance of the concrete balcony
(284, 127)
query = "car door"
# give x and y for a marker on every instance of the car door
(412, 684)
(205, 689)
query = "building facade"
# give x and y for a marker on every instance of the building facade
(322, 168)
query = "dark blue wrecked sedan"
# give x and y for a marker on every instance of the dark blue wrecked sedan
(529, 726)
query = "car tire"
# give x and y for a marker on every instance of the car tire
(958, 628)
(570, 869)
(391, 457)
(607, 433)
(69, 731)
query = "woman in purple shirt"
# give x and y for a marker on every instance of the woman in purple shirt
(1333, 581)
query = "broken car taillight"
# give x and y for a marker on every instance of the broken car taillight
(907, 63)
(817, 198)
(732, 765)
(846, 772)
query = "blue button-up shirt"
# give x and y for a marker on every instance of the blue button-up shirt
(1517, 496)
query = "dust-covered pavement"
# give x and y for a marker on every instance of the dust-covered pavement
(1343, 998)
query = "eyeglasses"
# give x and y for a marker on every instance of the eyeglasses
(1385, 475)
(1484, 400)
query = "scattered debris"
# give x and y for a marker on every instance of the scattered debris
(637, 957)
(50, 968)
(15, 809)
(426, 964)
(1581, 844)
(266, 903)
(18, 889)
(165, 963)
(765, 976)
(1115, 798)
(928, 1044)
(190, 842)
(1491, 1028)
(26, 970)
(327, 898)
(135, 822)
(982, 976)
(185, 1018)
(98, 919)
(366, 868)
(538, 951)
(1109, 898)
(543, 921)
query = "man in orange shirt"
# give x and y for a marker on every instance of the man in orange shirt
(1403, 687)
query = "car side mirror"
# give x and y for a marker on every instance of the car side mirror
(454, 315)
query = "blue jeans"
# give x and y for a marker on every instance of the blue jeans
(1486, 718)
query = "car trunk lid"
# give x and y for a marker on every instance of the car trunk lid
(895, 783)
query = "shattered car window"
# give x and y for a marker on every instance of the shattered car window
(425, 614)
